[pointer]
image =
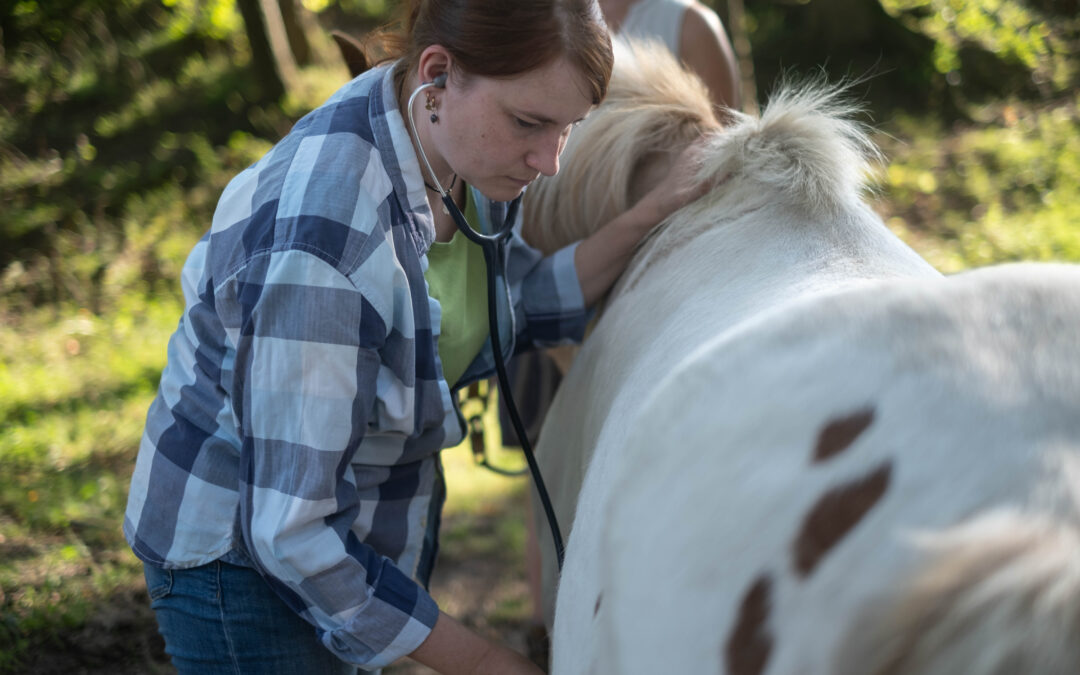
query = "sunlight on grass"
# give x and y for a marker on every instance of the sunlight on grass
(72, 404)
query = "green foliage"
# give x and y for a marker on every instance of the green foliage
(1044, 44)
(1003, 190)
(120, 125)
(217, 19)
(933, 57)
(127, 100)
(371, 8)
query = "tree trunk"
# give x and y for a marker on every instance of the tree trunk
(271, 59)
(740, 40)
(279, 41)
(294, 29)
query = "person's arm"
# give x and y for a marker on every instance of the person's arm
(308, 358)
(602, 257)
(453, 649)
(705, 48)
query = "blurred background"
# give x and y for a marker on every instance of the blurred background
(122, 120)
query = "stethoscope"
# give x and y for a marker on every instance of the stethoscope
(490, 244)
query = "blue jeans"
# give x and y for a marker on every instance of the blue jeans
(222, 619)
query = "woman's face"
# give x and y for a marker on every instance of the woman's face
(500, 134)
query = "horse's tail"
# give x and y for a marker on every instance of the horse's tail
(807, 148)
(999, 594)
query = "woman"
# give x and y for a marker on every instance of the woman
(289, 474)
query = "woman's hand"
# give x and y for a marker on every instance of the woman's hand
(453, 649)
(677, 189)
(601, 257)
(502, 660)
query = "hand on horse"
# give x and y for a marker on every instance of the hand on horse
(680, 186)
(602, 257)
(453, 649)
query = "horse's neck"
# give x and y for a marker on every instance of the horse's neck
(768, 256)
(698, 290)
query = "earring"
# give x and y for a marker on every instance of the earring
(433, 106)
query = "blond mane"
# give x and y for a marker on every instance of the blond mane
(805, 151)
(653, 110)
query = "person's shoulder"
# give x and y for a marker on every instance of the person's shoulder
(321, 190)
(701, 22)
(352, 109)
(704, 47)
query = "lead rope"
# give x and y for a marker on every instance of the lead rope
(475, 422)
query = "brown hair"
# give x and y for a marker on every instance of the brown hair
(501, 38)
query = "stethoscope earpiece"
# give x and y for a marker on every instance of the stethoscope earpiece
(440, 81)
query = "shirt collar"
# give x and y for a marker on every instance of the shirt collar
(407, 181)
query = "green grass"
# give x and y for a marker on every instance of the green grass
(74, 389)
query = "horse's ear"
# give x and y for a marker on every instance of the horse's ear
(352, 52)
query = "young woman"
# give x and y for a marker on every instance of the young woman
(287, 492)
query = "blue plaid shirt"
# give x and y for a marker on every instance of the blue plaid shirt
(298, 421)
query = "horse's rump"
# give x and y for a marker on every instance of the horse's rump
(870, 482)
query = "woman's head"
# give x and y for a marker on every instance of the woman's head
(519, 75)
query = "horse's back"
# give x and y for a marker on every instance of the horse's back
(770, 490)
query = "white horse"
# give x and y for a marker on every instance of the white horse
(789, 445)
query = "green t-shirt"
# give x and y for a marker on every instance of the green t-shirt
(457, 279)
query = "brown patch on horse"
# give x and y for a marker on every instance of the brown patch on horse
(840, 433)
(747, 648)
(836, 514)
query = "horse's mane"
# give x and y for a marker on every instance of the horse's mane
(654, 108)
(805, 151)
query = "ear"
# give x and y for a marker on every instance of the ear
(434, 61)
(352, 52)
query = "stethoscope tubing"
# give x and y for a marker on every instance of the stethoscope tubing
(490, 245)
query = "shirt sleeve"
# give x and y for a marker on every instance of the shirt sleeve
(549, 306)
(307, 363)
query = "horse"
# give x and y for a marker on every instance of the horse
(788, 443)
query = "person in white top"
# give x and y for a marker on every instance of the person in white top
(691, 31)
